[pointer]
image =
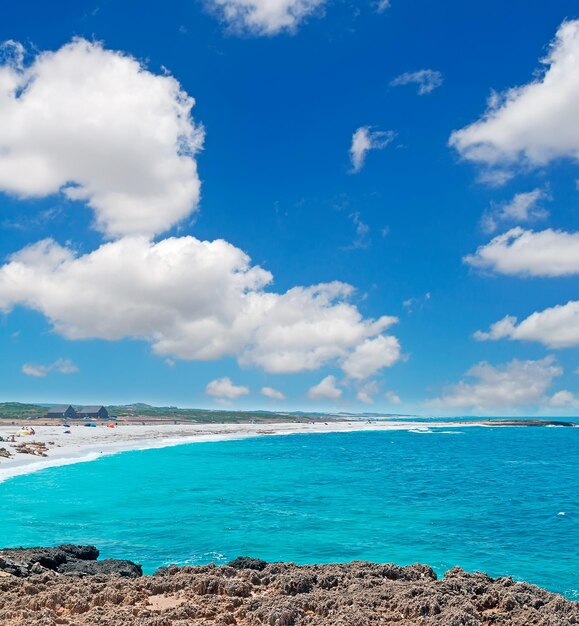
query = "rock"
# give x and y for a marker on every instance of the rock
(85, 553)
(297, 583)
(107, 567)
(64, 559)
(36, 448)
(38, 569)
(250, 592)
(246, 562)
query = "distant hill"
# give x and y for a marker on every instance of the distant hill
(15, 410)
(136, 406)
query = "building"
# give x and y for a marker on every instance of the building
(62, 411)
(93, 412)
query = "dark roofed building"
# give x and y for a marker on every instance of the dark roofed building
(93, 412)
(62, 411)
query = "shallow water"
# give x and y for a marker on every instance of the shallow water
(500, 500)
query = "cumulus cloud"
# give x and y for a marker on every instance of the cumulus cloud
(62, 366)
(564, 398)
(96, 126)
(326, 389)
(528, 253)
(523, 207)
(371, 356)
(367, 392)
(392, 397)
(366, 139)
(264, 17)
(195, 299)
(426, 80)
(556, 327)
(517, 383)
(533, 124)
(224, 389)
(272, 394)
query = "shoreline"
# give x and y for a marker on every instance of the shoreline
(84, 444)
(69, 585)
(89, 444)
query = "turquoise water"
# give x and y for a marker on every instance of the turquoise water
(489, 499)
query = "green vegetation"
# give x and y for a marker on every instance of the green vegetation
(146, 412)
(17, 410)
(204, 416)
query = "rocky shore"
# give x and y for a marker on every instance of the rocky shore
(69, 586)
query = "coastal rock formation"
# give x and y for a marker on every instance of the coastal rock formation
(40, 587)
(64, 559)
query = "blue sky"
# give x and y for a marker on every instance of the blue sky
(102, 160)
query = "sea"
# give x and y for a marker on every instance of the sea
(495, 499)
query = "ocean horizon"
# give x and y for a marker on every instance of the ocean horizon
(499, 500)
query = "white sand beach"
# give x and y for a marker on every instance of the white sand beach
(87, 444)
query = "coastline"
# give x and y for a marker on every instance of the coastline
(84, 444)
(68, 585)
(89, 444)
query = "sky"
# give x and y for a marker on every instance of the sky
(291, 205)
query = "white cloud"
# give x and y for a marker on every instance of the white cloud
(326, 389)
(426, 80)
(563, 398)
(411, 304)
(556, 327)
(63, 366)
(223, 388)
(392, 397)
(367, 392)
(366, 139)
(264, 17)
(382, 5)
(273, 394)
(197, 300)
(494, 178)
(533, 124)
(523, 207)
(98, 126)
(528, 253)
(371, 356)
(39, 371)
(517, 383)
(499, 330)
(95, 125)
(362, 238)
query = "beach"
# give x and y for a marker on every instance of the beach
(84, 444)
